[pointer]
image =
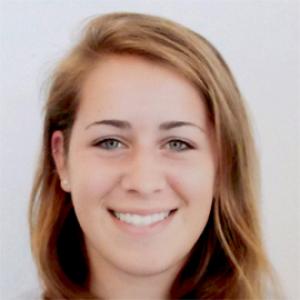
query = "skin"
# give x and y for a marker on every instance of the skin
(144, 169)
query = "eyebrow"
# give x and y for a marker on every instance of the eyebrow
(126, 125)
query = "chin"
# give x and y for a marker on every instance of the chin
(149, 265)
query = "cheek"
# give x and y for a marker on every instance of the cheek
(196, 182)
(90, 183)
(195, 186)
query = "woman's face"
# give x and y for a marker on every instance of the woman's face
(141, 166)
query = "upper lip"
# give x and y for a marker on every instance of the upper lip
(142, 211)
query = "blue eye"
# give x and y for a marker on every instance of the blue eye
(180, 145)
(111, 144)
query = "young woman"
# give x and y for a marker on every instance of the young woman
(147, 184)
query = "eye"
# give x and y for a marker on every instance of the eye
(112, 144)
(108, 144)
(180, 146)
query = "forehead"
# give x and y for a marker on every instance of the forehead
(132, 87)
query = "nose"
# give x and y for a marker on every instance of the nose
(143, 174)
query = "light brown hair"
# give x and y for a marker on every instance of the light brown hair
(228, 261)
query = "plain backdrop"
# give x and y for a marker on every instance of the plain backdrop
(258, 39)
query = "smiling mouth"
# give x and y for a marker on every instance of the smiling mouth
(142, 220)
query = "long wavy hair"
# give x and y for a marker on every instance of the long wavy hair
(228, 261)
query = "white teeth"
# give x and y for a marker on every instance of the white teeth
(139, 220)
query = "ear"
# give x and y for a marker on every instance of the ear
(59, 157)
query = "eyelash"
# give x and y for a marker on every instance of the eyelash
(101, 142)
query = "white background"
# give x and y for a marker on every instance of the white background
(258, 39)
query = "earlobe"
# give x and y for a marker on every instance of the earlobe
(65, 185)
(57, 147)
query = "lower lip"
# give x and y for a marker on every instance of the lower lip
(143, 230)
